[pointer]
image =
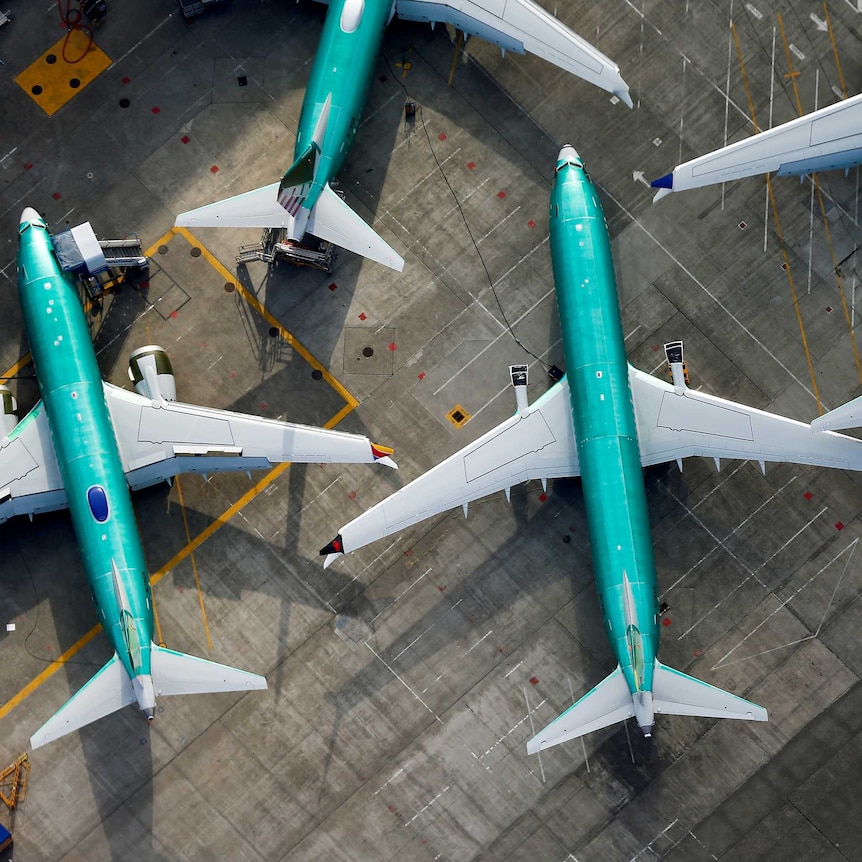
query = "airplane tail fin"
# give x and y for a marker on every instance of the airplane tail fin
(109, 690)
(611, 701)
(178, 673)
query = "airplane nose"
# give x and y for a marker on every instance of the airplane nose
(569, 156)
(28, 215)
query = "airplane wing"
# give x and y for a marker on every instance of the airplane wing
(30, 480)
(160, 439)
(824, 140)
(677, 422)
(538, 443)
(521, 26)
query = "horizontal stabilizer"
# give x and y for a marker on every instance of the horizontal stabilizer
(333, 220)
(848, 415)
(676, 693)
(609, 702)
(259, 208)
(109, 690)
(178, 673)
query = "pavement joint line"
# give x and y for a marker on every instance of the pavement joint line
(420, 181)
(141, 41)
(423, 810)
(649, 845)
(851, 547)
(401, 594)
(514, 727)
(403, 682)
(532, 734)
(389, 781)
(752, 574)
(499, 224)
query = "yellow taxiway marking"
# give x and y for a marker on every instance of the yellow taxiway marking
(63, 71)
(780, 233)
(221, 520)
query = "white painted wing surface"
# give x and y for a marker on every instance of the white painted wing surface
(30, 479)
(521, 26)
(537, 444)
(158, 440)
(258, 208)
(177, 673)
(823, 140)
(677, 423)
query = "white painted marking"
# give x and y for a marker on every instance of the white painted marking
(487, 634)
(423, 810)
(425, 632)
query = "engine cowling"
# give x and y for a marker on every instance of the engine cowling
(8, 411)
(152, 374)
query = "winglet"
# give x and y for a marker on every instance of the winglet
(624, 96)
(332, 551)
(665, 182)
(382, 455)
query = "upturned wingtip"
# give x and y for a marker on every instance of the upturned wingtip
(332, 551)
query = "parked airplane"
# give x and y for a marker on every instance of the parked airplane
(304, 202)
(86, 443)
(825, 140)
(605, 421)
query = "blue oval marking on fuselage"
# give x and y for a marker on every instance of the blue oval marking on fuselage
(97, 500)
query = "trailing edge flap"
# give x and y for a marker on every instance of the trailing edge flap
(608, 703)
(109, 690)
(177, 673)
(676, 693)
(678, 422)
(333, 220)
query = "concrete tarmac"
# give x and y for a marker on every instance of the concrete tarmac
(405, 680)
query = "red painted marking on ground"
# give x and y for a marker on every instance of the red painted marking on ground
(531, 223)
(656, 348)
(203, 344)
(391, 808)
(534, 680)
(839, 526)
(333, 286)
(214, 169)
(263, 405)
(185, 139)
(28, 165)
(421, 375)
(471, 165)
(126, 79)
(666, 622)
(697, 653)
(442, 588)
(56, 196)
(501, 195)
(144, 285)
(351, 495)
(408, 552)
(808, 495)
(393, 345)
(363, 316)
(232, 375)
(543, 497)
(181, 589)
(156, 109)
(174, 315)
(442, 136)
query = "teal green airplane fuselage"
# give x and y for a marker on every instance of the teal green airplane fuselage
(604, 421)
(86, 447)
(342, 70)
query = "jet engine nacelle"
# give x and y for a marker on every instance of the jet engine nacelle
(151, 373)
(8, 411)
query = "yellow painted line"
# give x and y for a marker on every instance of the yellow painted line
(256, 304)
(787, 268)
(194, 564)
(827, 229)
(835, 50)
(63, 71)
(457, 53)
(21, 363)
(164, 239)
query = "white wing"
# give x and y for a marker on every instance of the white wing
(536, 444)
(30, 480)
(675, 423)
(521, 26)
(160, 439)
(824, 140)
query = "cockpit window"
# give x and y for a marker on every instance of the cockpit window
(97, 500)
(351, 15)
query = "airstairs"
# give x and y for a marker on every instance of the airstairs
(274, 247)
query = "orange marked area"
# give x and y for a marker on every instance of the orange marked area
(193, 542)
(63, 71)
